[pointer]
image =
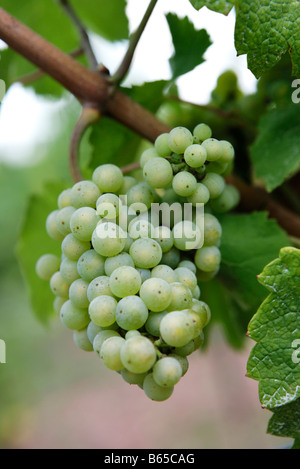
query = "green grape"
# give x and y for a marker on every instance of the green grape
(186, 350)
(158, 172)
(63, 219)
(179, 139)
(83, 222)
(171, 258)
(189, 265)
(195, 155)
(110, 353)
(167, 372)
(202, 132)
(144, 273)
(228, 200)
(78, 293)
(102, 310)
(57, 304)
(59, 286)
(98, 287)
(128, 183)
(138, 354)
(73, 248)
(164, 272)
(147, 155)
(184, 184)
(200, 196)
(217, 167)
(68, 271)
(187, 277)
(109, 206)
(162, 145)
(181, 297)
(133, 378)
(203, 311)
(84, 194)
(64, 199)
(128, 243)
(170, 196)
(196, 292)
(154, 391)
(214, 149)
(101, 338)
(82, 341)
(74, 318)
(228, 152)
(51, 227)
(187, 236)
(108, 178)
(92, 331)
(108, 239)
(139, 228)
(164, 236)
(177, 329)
(212, 230)
(152, 325)
(125, 281)
(199, 341)
(47, 265)
(196, 321)
(131, 313)
(140, 197)
(130, 334)
(121, 260)
(183, 362)
(146, 253)
(90, 265)
(156, 294)
(208, 258)
(215, 184)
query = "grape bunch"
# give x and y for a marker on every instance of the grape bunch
(127, 281)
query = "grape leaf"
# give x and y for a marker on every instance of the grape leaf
(286, 422)
(249, 242)
(113, 142)
(265, 30)
(220, 6)
(276, 327)
(276, 152)
(186, 58)
(33, 243)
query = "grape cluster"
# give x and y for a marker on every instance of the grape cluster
(127, 287)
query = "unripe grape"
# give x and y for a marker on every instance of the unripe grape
(51, 227)
(214, 149)
(187, 277)
(164, 236)
(156, 392)
(78, 293)
(187, 236)
(109, 206)
(90, 265)
(113, 263)
(162, 145)
(200, 196)
(156, 294)
(83, 222)
(184, 184)
(68, 270)
(152, 325)
(82, 341)
(167, 372)
(208, 259)
(84, 194)
(47, 265)
(98, 287)
(212, 230)
(228, 152)
(181, 297)
(73, 248)
(64, 199)
(125, 281)
(227, 201)
(202, 132)
(158, 172)
(131, 313)
(108, 178)
(138, 354)
(179, 139)
(110, 353)
(63, 219)
(164, 272)
(215, 184)
(177, 329)
(101, 338)
(195, 156)
(147, 155)
(146, 253)
(59, 286)
(108, 239)
(74, 318)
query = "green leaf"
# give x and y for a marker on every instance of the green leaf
(33, 243)
(114, 143)
(249, 242)
(265, 30)
(276, 152)
(186, 58)
(108, 19)
(274, 359)
(286, 422)
(220, 6)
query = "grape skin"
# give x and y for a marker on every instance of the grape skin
(156, 294)
(154, 391)
(47, 265)
(138, 354)
(131, 313)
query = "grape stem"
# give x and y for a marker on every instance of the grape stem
(124, 67)
(85, 40)
(89, 115)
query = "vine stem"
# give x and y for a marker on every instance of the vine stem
(89, 115)
(85, 40)
(122, 71)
